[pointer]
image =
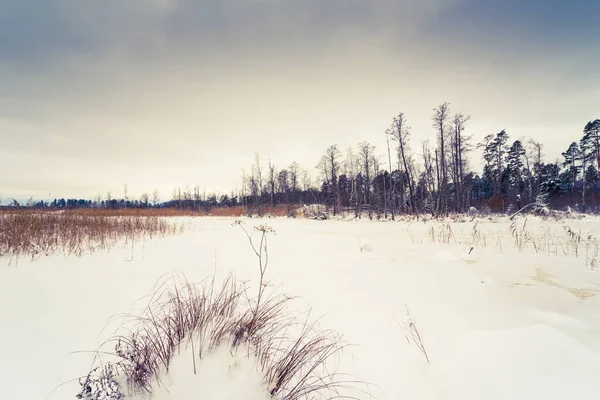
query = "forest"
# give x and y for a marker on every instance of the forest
(429, 177)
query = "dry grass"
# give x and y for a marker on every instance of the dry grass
(413, 334)
(521, 235)
(295, 356)
(163, 212)
(284, 210)
(30, 233)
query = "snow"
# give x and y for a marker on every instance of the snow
(220, 376)
(497, 323)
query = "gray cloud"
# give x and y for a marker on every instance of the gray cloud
(33, 30)
(166, 92)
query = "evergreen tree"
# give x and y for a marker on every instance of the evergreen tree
(550, 181)
(572, 157)
(591, 180)
(494, 154)
(515, 168)
(591, 136)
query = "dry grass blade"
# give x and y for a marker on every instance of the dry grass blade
(413, 335)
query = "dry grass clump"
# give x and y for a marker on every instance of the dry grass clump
(296, 357)
(44, 233)
(523, 237)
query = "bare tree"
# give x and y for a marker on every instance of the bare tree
(329, 165)
(535, 152)
(306, 181)
(460, 147)
(144, 198)
(401, 132)
(196, 196)
(271, 182)
(350, 170)
(177, 197)
(366, 153)
(245, 187)
(258, 174)
(155, 197)
(440, 121)
(125, 193)
(254, 187)
(293, 170)
(187, 195)
(283, 183)
(391, 186)
(428, 165)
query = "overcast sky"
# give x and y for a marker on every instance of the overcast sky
(167, 93)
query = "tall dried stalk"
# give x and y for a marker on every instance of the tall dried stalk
(413, 335)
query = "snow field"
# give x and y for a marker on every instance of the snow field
(501, 322)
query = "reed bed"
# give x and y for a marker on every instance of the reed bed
(30, 233)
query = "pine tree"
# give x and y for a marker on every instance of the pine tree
(591, 180)
(550, 182)
(572, 157)
(516, 167)
(591, 136)
(494, 154)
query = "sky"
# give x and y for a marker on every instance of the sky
(158, 94)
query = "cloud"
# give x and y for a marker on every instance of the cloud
(169, 92)
(33, 29)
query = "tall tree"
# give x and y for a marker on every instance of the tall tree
(535, 153)
(516, 155)
(283, 184)
(391, 192)
(400, 131)
(572, 157)
(306, 181)
(271, 182)
(592, 180)
(294, 169)
(460, 147)
(591, 135)
(329, 165)
(440, 118)
(351, 170)
(257, 174)
(494, 154)
(155, 197)
(587, 156)
(366, 153)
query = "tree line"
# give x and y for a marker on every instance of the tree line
(437, 178)
(431, 177)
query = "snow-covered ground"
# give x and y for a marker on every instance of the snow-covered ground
(502, 322)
